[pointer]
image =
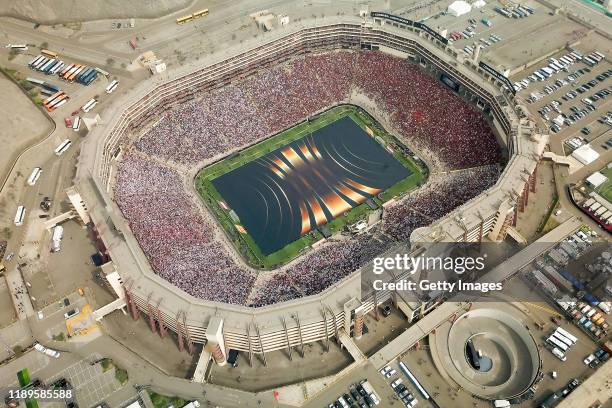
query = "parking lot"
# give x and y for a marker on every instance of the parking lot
(573, 101)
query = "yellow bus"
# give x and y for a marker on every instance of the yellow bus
(48, 53)
(184, 19)
(201, 13)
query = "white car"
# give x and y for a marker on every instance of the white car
(589, 359)
(390, 373)
(71, 313)
(40, 315)
(396, 382)
(47, 351)
(385, 370)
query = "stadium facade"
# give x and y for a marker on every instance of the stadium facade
(339, 310)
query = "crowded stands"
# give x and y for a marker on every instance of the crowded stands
(186, 247)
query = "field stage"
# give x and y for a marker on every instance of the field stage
(272, 197)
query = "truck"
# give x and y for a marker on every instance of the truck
(486, 22)
(133, 44)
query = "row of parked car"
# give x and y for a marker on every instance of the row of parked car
(403, 393)
(559, 83)
(555, 397)
(554, 66)
(595, 359)
(360, 395)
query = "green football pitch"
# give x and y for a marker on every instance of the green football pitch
(244, 242)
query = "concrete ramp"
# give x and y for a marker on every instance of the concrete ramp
(351, 347)
(199, 374)
(60, 218)
(517, 236)
(109, 308)
(569, 161)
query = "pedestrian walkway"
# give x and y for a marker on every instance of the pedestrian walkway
(351, 347)
(19, 294)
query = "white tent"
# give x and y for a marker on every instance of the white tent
(596, 179)
(479, 4)
(459, 8)
(585, 154)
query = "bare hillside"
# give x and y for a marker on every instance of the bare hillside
(62, 11)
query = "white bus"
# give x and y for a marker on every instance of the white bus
(563, 339)
(34, 176)
(553, 341)
(413, 379)
(56, 67)
(58, 104)
(112, 86)
(56, 238)
(89, 105)
(76, 124)
(19, 47)
(35, 60)
(40, 62)
(567, 334)
(47, 64)
(19, 217)
(65, 69)
(63, 147)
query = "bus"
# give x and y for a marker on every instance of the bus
(57, 105)
(112, 86)
(59, 150)
(40, 63)
(19, 47)
(76, 124)
(413, 379)
(553, 341)
(52, 98)
(201, 13)
(55, 69)
(56, 101)
(34, 176)
(70, 71)
(51, 67)
(75, 73)
(19, 217)
(563, 339)
(65, 69)
(567, 334)
(102, 72)
(89, 105)
(47, 65)
(184, 19)
(48, 53)
(89, 78)
(56, 238)
(35, 60)
(83, 74)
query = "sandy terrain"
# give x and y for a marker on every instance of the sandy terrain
(21, 124)
(60, 11)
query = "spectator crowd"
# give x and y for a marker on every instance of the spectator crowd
(180, 241)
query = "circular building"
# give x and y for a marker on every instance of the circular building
(488, 352)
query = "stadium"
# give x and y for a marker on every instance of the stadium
(170, 256)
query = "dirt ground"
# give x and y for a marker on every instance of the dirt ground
(21, 124)
(67, 10)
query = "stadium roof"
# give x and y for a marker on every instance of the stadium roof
(596, 179)
(585, 154)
